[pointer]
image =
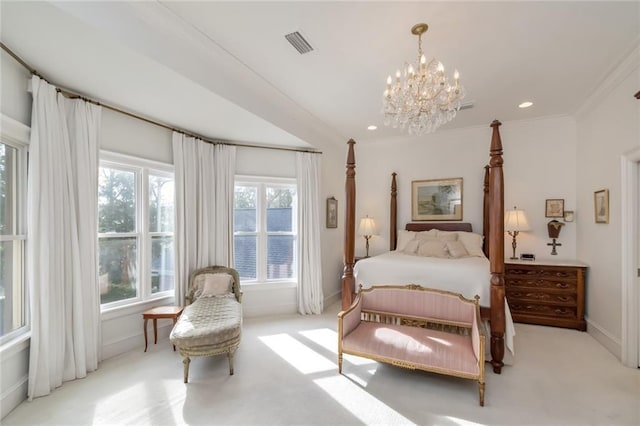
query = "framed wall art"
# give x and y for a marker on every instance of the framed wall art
(436, 199)
(332, 212)
(601, 205)
(554, 208)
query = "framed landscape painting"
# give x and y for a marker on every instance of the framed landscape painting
(436, 199)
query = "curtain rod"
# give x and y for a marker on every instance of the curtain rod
(74, 95)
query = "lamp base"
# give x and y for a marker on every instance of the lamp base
(514, 258)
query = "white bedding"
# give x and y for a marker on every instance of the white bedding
(468, 276)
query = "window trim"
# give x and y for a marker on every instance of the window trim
(16, 135)
(142, 168)
(262, 182)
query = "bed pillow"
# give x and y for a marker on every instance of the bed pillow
(411, 247)
(447, 236)
(431, 234)
(456, 249)
(216, 285)
(432, 248)
(403, 238)
(472, 242)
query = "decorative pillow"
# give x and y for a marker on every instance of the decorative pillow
(456, 249)
(432, 248)
(472, 242)
(403, 238)
(411, 247)
(216, 285)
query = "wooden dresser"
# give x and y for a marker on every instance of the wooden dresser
(546, 292)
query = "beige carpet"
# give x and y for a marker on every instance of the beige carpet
(286, 374)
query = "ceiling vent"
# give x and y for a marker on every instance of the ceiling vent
(297, 40)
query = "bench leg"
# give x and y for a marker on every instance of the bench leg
(230, 356)
(340, 362)
(481, 389)
(186, 362)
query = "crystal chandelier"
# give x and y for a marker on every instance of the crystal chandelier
(421, 98)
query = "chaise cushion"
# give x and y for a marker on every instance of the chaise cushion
(210, 322)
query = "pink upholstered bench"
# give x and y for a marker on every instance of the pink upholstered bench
(416, 328)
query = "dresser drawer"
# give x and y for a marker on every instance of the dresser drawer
(548, 273)
(543, 310)
(523, 295)
(570, 286)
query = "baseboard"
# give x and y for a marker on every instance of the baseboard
(133, 342)
(605, 338)
(252, 311)
(334, 298)
(13, 397)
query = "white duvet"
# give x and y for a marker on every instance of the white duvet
(469, 276)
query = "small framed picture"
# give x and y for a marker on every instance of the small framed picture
(332, 212)
(554, 208)
(568, 215)
(601, 205)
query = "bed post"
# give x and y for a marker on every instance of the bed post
(496, 249)
(348, 280)
(393, 213)
(486, 201)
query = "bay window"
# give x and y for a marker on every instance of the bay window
(265, 231)
(135, 232)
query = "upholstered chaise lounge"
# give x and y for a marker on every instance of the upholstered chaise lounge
(212, 323)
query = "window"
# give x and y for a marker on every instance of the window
(13, 178)
(265, 230)
(135, 232)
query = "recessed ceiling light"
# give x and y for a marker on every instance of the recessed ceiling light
(525, 104)
(372, 127)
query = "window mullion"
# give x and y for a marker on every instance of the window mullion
(262, 241)
(144, 240)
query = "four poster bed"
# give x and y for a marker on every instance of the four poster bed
(483, 277)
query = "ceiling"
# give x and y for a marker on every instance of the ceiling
(224, 69)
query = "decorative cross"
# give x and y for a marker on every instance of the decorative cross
(554, 244)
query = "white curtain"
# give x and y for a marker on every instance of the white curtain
(204, 176)
(62, 239)
(310, 297)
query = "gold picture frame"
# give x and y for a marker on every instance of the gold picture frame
(554, 207)
(332, 212)
(601, 205)
(436, 199)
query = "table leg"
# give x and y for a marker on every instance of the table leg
(145, 333)
(175, 318)
(155, 331)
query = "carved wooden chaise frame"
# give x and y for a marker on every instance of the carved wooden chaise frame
(493, 222)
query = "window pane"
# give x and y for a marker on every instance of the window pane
(279, 209)
(160, 204)
(245, 256)
(161, 264)
(118, 269)
(116, 201)
(11, 290)
(244, 213)
(279, 256)
(8, 157)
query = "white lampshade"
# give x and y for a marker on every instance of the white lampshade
(367, 226)
(515, 220)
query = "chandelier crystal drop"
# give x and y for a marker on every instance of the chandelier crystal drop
(421, 98)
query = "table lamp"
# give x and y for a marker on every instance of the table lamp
(515, 221)
(366, 229)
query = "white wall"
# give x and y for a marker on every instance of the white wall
(15, 102)
(539, 163)
(607, 127)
